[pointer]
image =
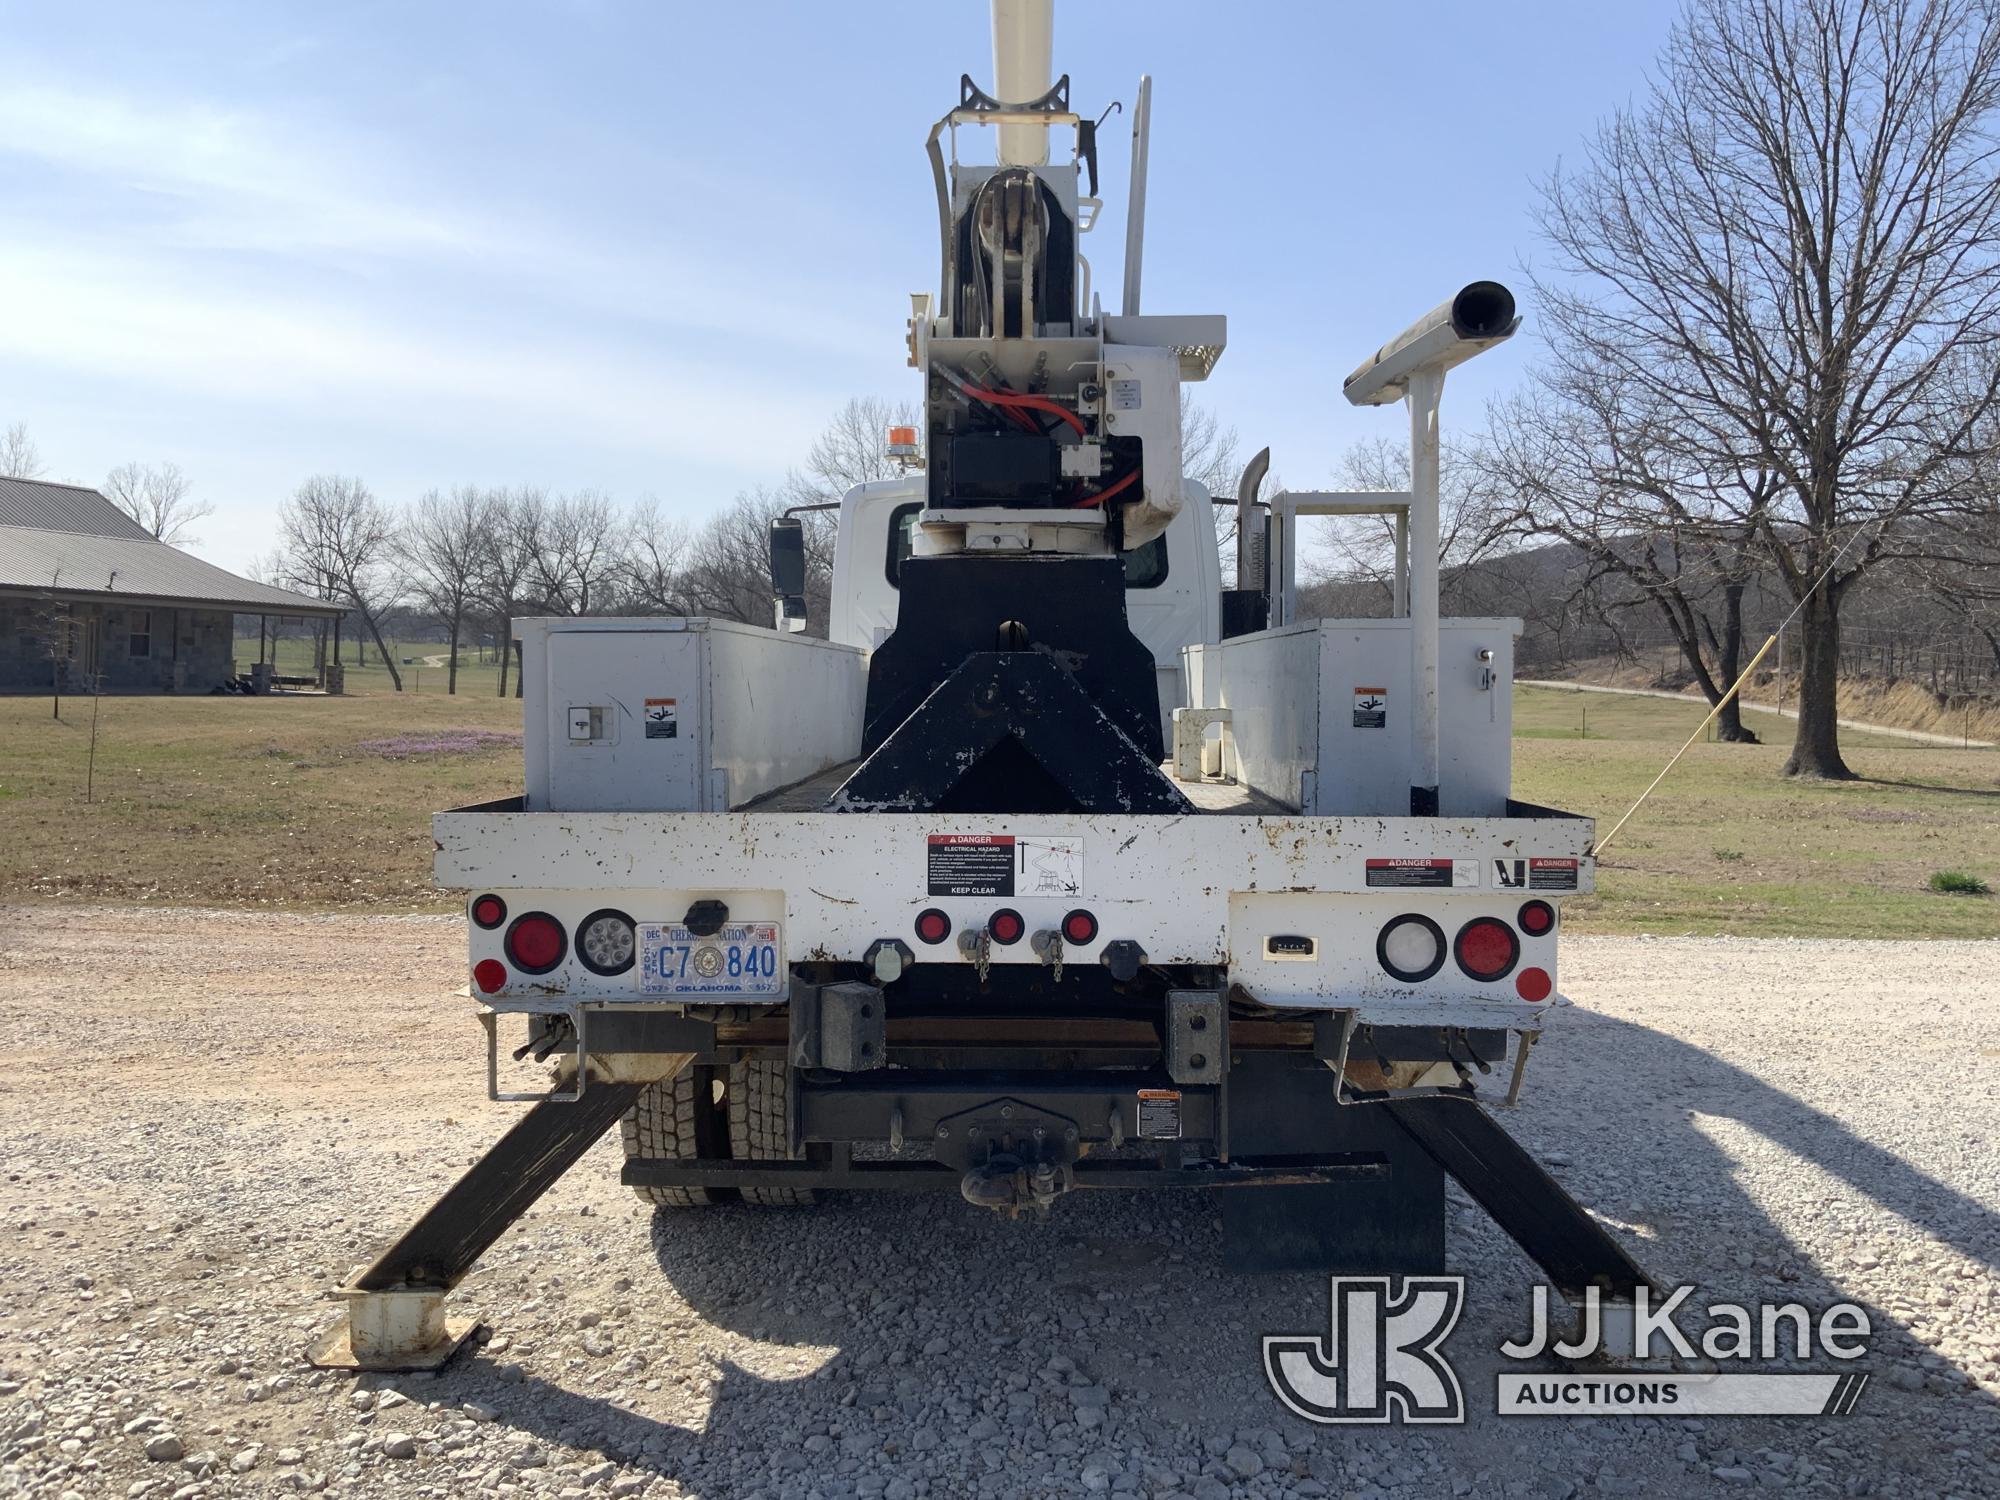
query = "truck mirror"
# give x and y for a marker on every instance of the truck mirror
(788, 557)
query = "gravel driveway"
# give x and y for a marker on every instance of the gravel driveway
(212, 1117)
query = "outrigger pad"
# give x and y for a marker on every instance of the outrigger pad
(1009, 731)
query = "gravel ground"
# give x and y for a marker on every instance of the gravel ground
(213, 1116)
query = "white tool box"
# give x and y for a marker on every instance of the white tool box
(680, 715)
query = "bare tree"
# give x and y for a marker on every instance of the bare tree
(157, 497)
(656, 560)
(575, 557)
(1789, 250)
(502, 584)
(1208, 449)
(1583, 460)
(336, 532)
(728, 569)
(19, 457)
(447, 541)
(852, 449)
(1362, 549)
(51, 630)
(1209, 456)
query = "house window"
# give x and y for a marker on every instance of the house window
(140, 643)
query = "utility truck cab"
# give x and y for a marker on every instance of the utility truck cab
(1055, 865)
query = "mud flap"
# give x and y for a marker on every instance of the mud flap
(1281, 1105)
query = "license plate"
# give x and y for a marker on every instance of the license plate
(741, 959)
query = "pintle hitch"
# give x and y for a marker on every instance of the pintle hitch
(1016, 1158)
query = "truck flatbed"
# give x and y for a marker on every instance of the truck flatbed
(1222, 799)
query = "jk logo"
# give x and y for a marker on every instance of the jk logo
(1380, 1361)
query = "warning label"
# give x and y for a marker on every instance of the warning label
(1005, 864)
(1422, 874)
(1048, 865)
(971, 864)
(662, 719)
(1552, 874)
(1159, 1113)
(1371, 707)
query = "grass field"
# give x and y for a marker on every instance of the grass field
(422, 664)
(324, 802)
(1726, 845)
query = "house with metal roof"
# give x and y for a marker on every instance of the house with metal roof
(90, 598)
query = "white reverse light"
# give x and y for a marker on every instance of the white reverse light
(606, 942)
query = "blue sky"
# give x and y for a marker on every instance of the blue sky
(650, 247)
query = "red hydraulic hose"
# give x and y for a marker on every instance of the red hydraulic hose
(1107, 492)
(1038, 403)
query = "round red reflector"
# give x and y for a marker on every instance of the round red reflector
(933, 926)
(1079, 927)
(1486, 949)
(1006, 926)
(536, 943)
(489, 911)
(1536, 918)
(1533, 984)
(489, 974)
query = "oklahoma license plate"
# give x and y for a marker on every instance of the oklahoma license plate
(741, 959)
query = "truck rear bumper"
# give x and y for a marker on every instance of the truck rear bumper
(1291, 910)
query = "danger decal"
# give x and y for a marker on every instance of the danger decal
(1422, 874)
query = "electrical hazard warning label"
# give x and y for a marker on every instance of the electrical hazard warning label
(1371, 707)
(662, 719)
(1005, 864)
(1422, 874)
(1535, 874)
(971, 864)
(1552, 874)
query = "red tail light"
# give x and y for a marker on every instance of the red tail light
(1079, 927)
(1534, 984)
(489, 974)
(1536, 918)
(1006, 926)
(933, 926)
(1487, 949)
(536, 943)
(489, 911)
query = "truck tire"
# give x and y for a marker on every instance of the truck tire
(760, 1099)
(677, 1119)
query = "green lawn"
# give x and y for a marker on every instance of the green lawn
(281, 801)
(299, 802)
(1727, 845)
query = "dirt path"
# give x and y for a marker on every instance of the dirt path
(211, 1117)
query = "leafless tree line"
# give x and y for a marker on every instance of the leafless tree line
(1773, 332)
(475, 558)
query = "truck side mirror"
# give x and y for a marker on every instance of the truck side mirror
(788, 573)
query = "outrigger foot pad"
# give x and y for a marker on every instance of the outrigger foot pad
(395, 1309)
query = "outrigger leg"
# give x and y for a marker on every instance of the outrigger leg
(1576, 1252)
(395, 1309)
